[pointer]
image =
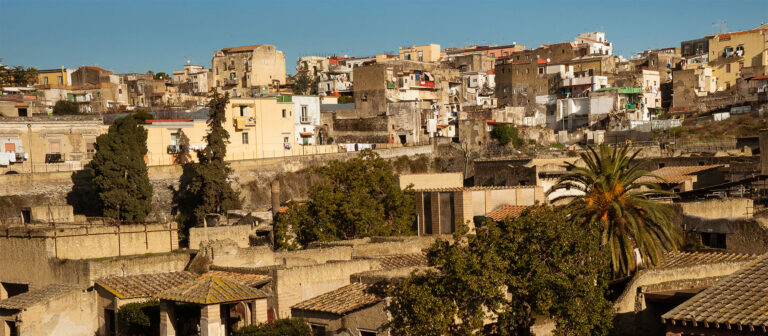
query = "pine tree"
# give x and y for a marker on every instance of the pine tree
(207, 188)
(120, 173)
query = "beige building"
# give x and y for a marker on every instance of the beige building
(258, 128)
(691, 83)
(248, 70)
(47, 144)
(736, 55)
(424, 53)
(193, 79)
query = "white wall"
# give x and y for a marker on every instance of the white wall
(313, 114)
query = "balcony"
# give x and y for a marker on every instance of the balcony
(230, 82)
(54, 158)
(239, 123)
(174, 149)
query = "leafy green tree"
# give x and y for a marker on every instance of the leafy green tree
(357, 198)
(204, 188)
(162, 75)
(346, 99)
(66, 107)
(505, 134)
(303, 84)
(18, 76)
(615, 200)
(282, 327)
(142, 116)
(538, 264)
(120, 173)
(139, 318)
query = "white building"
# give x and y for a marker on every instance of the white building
(307, 119)
(596, 42)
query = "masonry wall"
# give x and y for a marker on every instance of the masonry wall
(429, 181)
(71, 314)
(294, 285)
(725, 208)
(237, 233)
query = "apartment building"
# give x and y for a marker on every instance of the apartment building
(248, 71)
(738, 55)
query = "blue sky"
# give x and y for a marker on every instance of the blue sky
(158, 35)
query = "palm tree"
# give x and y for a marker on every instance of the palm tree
(615, 197)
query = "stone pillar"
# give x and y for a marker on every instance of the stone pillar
(167, 317)
(210, 321)
(435, 207)
(259, 311)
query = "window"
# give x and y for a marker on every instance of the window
(54, 147)
(713, 240)
(541, 71)
(285, 140)
(741, 65)
(45, 80)
(304, 114)
(407, 56)
(90, 147)
(60, 80)
(493, 54)
(740, 51)
(317, 330)
(728, 67)
(506, 53)
(283, 113)
(368, 333)
(245, 138)
(421, 56)
(232, 75)
(243, 111)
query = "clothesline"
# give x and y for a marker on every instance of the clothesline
(353, 147)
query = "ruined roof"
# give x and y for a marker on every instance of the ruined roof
(144, 285)
(390, 262)
(678, 174)
(506, 211)
(212, 290)
(341, 301)
(739, 301)
(243, 48)
(477, 188)
(37, 296)
(248, 279)
(685, 259)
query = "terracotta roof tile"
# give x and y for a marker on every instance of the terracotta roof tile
(740, 300)
(37, 296)
(243, 48)
(145, 285)
(341, 301)
(211, 290)
(248, 279)
(476, 188)
(685, 259)
(506, 211)
(678, 174)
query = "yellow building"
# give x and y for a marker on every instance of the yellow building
(738, 54)
(54, 78)
(258, 128)
(425, 53)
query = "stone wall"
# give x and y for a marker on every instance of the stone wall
(237, 233)
(71, 314)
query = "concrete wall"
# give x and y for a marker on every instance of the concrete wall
(717, 208)
(294, 285)
(373, 318)
(237, 233)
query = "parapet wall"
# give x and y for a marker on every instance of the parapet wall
(237, 233)
(719, 208)
(90, 241)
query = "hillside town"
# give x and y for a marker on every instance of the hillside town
(553, 189)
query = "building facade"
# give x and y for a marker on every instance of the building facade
(248, 71)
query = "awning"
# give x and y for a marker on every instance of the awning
(306, 134)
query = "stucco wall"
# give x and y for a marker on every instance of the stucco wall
(725, 208)
(434, 180)
(237, 233)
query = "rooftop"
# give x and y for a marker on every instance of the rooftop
(341, 301)
(144, 285)
(212, 290)
(739, 301)
(390, 262)
(677, 174)
(506, 211)
(686, 259)
(478, 188)
(243, 48)
(37, 296)
(248, 279)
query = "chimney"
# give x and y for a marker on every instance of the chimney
(275, 197)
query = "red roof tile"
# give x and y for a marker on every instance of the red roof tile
(341, 301)
(506, 211)
(677, 174)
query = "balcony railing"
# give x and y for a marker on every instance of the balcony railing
(230, 82)
(174, 149)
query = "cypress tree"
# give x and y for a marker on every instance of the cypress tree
(211, 192)
(120, 173)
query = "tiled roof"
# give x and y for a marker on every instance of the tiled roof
(739, 301)
(476, 188)
(390, 262)
(685, 259)
(341, 301)
(678, 174)
(144, 285)
(211, 290)
(506, 211)
(248, 279)
(37, 296)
